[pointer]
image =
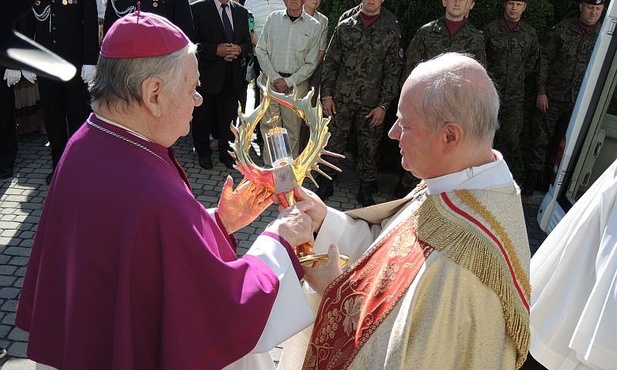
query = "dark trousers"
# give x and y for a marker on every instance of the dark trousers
(368, 139)
(511, 122)
(531, 364)
(8, 127)
(547, 129)
(65, 108)
(256, 88)
(217, 112)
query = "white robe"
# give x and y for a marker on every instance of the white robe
(574, 284)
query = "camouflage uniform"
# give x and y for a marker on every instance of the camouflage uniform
(433, 39)
(511, 56)
(564, 56)
(361, 71)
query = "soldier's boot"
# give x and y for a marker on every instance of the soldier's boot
(325, 189)
(374, 186)
(365, 194)
(406, 183)
(532, 180)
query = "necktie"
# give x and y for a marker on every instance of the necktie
(229, 32)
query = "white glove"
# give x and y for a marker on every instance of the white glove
(30, 76)
(12, 77)
(88, 72)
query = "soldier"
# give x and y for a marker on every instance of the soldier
(512, 51)
(70, 29)
(452, 32)
(360, 78)
(564, 56)
(177, 11)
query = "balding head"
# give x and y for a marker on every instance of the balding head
(447, 117)
(456, 88)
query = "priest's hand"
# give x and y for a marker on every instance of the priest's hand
(238, 208)
(320, 275)
(293, 225)
(310, 203)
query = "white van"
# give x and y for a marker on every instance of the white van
(591, 136)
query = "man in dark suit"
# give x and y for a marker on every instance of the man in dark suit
(8, 127)
(177, 11)
(31, 58)
(69, 29)
(221, 29)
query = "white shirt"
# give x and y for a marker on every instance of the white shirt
(227, 10)
(289, 47)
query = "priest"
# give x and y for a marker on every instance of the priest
(441, 277)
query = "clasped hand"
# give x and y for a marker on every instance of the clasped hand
(280, 86)
(320, 275)
(293, 225)
(228, 51)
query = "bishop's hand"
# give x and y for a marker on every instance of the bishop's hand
(293, 225)
(239, 207)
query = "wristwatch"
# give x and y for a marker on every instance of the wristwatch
(383, 106)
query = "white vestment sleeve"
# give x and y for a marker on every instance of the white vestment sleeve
(353, 236)
(253, 361)
(291, 311)
(594, 336)
(574, 284)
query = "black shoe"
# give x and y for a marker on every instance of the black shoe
(365, 194)
(229, 163)
(374, 186)
(49, 178)
(401, 190)
(205, 163)
(529, 186)
(325, 188)
(6, 174)
(365, 198)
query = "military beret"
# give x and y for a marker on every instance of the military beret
(140, 35)
(592, 2)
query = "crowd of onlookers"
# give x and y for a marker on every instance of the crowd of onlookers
(356, 73)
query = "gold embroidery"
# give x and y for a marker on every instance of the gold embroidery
(352, 308)
(363, 297)
(473, 203)
(472, 249)
(402, 244)
(327, 331)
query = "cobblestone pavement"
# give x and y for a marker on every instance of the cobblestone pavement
(21, 201)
